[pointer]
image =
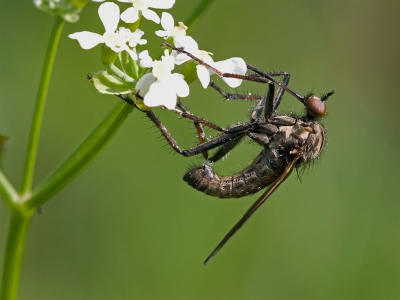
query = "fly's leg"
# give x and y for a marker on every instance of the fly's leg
(198, 126)
(262, 77)
(257, 111)
(228, 133)
(204, 147)
(226, 148)
(232, 96)
(269, 104)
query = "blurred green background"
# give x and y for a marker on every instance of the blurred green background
(129, 227)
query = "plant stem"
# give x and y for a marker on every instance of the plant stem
(8, 192)
(40, 104)
(17, 230)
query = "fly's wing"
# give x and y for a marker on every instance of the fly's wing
(253, 208)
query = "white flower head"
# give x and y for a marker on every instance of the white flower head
(161, 87)
(135, 38)
(115, 39)
(131, 15)
(167, 22)
(235, 65)
(191, 46)
(145, 60)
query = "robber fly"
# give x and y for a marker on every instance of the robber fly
(288, 142)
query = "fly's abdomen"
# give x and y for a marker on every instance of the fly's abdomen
(264, 170)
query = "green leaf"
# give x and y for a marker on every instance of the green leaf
(109, 84)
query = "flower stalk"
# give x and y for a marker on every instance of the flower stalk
(18, 227)
(40, 105)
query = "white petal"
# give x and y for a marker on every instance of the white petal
(109, 15)
(232, 82)
(162, 33)
(132, 53)
(163, 4)
(151, 15)
(144, 83)
(130, 15)
(187, 42)
(145, 60)
(180, 85)
(167, 21)
(204, 75)
(87, 39)
(160, 93)
(234, 65)
(181, 58)
(162, 70)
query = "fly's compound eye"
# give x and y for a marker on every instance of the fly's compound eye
(316, 107)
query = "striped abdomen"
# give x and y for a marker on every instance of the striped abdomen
(263, 171)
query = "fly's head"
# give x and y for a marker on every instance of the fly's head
(315, 106)
(313, 145)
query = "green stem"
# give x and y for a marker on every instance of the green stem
(8, 192)
(19, 222)
(40, 104)
(112, 69)
(81, 158)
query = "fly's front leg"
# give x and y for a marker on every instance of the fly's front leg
(270, 102)
(262, 77)
(278, 97)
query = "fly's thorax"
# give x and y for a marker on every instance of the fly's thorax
(298, 137)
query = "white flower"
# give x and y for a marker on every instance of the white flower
(131, 15)
(167, 22)
(115, 39)
(161, 87)
(134, 38)
(191, 46)
(235, 65)
(145, 60)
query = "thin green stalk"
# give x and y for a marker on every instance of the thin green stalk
(81, 158)
(17, 230)
(40, 104)
(112, 69)
(8, 192)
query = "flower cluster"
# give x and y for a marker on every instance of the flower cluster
(153, 80)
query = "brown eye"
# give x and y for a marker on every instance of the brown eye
(316, 107)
